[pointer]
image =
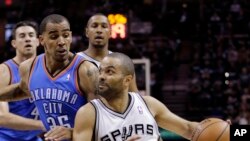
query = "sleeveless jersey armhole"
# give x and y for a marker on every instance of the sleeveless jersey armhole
(77, 79)
(95, 130)
(142, 99)
(10, 72)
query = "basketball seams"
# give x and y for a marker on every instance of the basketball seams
(211, 129)
(227, 125)
(206, 128)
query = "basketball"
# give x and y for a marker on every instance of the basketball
(212, 129)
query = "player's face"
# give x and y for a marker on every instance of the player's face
(25, 41)
(98, 31)
(56, 40)
(111, 78)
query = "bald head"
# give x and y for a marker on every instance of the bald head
(127, 65)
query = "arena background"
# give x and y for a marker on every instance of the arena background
(198, 49)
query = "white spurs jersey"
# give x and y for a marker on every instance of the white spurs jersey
(114, 126)
(84, 55)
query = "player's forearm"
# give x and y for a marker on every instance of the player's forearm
(190, 130)
(12, 93)
(16, 122)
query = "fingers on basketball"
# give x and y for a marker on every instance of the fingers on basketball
(212, 129)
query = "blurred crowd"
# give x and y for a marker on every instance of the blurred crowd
(217, 30)
(220, 68)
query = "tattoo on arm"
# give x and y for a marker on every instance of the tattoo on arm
(93, 76)
(89, 73)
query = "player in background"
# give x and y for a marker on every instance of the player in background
(59, 81)
(19, 115)
(98, 32)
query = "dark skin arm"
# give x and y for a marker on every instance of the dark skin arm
(88, 74)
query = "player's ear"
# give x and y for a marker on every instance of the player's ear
(41, 40)
(37, 42)
(128, 79)
(86, 32)
(13, 43)
(110, 31)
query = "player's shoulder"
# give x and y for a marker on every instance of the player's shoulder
(4, 70)
(151, 101)
(87, 71)
(81, 53)
(148, 98)
(87, 109)
(87, 66)
(88, 112)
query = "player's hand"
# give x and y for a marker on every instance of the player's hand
(133, 138)
(42, 126)
(229, 121)
(58, 133)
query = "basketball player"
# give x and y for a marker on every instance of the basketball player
(58, 81)
(98, 32)
(19, 115)
(120, 114)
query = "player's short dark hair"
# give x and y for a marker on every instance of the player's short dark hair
(32, 24)
(97, 14)
(126, 63)
(53, 18)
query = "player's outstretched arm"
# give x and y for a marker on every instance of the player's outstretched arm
(168, 120)
(88, 79)
(84, 123)
(10, 120)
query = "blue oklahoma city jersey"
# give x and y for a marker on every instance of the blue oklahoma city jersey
(57, 98)
(25, 108)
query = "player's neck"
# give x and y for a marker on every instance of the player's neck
(54, 67)
(118, 104)
(97, 53)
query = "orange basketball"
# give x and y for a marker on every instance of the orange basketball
(212, 129)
